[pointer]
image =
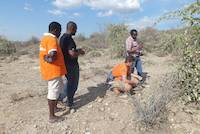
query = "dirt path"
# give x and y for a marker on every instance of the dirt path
(23, 107)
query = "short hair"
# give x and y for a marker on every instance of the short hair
(133, 30)
(70, 24)
(129, 59)
(54, 26)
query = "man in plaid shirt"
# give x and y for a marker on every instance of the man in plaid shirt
(133, 48)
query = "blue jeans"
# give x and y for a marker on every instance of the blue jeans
(110, 77)
(72, 83)
(138, 65)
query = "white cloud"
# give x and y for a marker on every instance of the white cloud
(56, 12)
(76, 14)
(142, 23)
(103, 14)
(119, 6)
(143, 1)
(67, 3)
(28, 7)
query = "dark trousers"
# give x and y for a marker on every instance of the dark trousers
(72, 82)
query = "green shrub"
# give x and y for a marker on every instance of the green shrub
(190, 51)
(150, 38)
(116, 37)
(6, 47)
(190, 69)
(97, 40)
(162, 43)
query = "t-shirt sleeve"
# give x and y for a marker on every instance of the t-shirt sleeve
(128, 44)
(52, 45)
(62, 44)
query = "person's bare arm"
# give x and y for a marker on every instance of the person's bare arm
(129, 81)
(132, 50)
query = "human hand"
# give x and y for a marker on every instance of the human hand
(140, 46)
(81, 51)
(48, 58)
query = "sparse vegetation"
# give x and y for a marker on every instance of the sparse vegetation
(190, 51)
(154, 110)
(184, 43)
(95, 54)
(116, 37)
(173, 69)
(6, 47)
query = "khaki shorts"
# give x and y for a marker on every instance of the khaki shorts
(55, 87)
(118, 84)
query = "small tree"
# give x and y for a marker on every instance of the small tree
(6, 47)
(116, 36)
(190, 68)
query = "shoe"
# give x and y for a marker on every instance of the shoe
(58, 110)
(138, 88)
(141, 82)
(72, 108)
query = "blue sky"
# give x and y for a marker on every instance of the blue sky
(21, 19)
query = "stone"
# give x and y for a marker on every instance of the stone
(147, 86)
(90, 106)
(124, 96)
(99, 100)
(67, 128)
(196, 132)
(69, 132)
(35, 126)
(72, 111)
(87, 131)
(106, 104)
(171, 120)
(84, 123)
(102, 109)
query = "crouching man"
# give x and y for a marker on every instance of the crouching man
(122, 77)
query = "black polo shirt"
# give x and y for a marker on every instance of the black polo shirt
(67, 43)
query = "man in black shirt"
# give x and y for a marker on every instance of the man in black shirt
(71, 54)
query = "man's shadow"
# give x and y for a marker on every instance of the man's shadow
(93, 93)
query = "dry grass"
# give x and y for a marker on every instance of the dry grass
(17, 97)
(154, 111)
(95, 54)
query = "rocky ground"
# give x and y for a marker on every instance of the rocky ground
(24, 109)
